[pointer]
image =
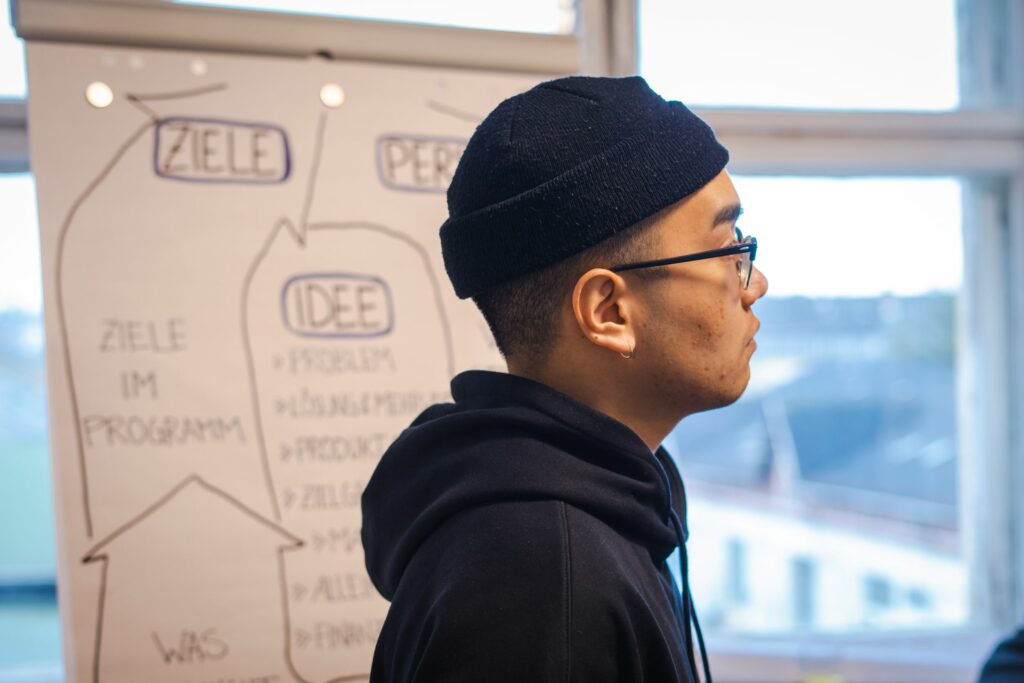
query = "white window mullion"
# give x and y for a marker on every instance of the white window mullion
(987, 502)
(783, 142)
(1015, 257)
(990, 53)
(608, 37)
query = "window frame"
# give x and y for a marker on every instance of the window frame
(983, 143)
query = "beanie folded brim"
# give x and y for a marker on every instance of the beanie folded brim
(599, 197)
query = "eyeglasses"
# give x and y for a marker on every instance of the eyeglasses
(745, 246)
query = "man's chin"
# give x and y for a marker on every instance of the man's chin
(721, 400)
(733, 394)
(700, 398)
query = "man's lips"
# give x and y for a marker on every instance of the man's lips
(751, 340)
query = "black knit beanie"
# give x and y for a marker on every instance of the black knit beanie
(557, 169)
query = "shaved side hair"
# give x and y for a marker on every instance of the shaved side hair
(523, 313)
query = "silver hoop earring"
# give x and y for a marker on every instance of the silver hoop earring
(627, 356)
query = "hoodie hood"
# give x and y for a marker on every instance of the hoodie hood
(507, 438)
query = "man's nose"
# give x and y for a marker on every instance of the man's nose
(758, 288)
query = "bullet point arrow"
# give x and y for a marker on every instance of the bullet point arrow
(302, 638)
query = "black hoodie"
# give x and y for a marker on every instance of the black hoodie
(521, 535)
(1006, 664)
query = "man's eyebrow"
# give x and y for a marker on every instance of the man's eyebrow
(727, 214)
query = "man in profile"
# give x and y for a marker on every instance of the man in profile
(522, 532)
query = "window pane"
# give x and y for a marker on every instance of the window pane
(831, 484)
(12, 57)
(29, 625)
(528, 16)
(872, 54)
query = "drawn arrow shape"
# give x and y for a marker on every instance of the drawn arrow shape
(180, 560)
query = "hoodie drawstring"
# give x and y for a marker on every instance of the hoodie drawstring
(689, 611)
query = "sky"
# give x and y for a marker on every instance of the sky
(869, 54)
(855, 236)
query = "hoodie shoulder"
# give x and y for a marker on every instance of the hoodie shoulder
(434, 412)
(486, 597)
(1006, 663)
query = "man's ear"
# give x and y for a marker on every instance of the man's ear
(605, 310)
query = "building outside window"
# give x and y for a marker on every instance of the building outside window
(877, 592)
(736, 571)
(803, 578)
